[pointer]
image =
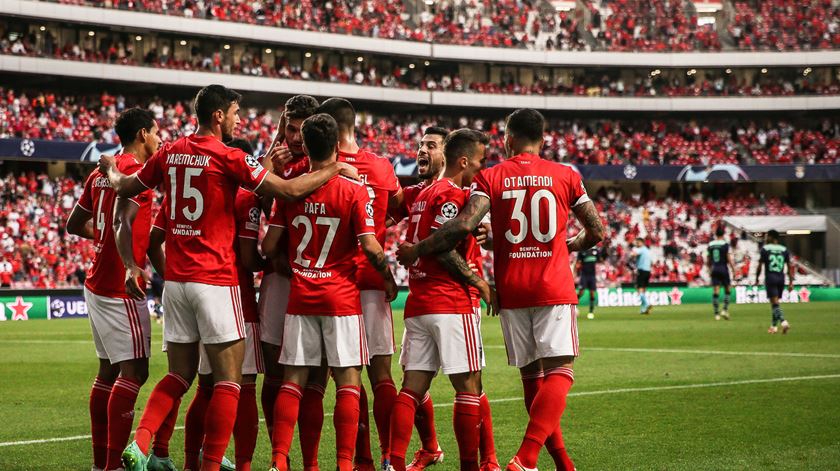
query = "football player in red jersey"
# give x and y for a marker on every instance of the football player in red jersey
(274, 292)
(119, 315)
(441, 329)
(200, 175)
(382, 186)
(430, 163)
(324, 313)
(529, 200)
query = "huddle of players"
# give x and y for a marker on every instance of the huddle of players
(324, 300)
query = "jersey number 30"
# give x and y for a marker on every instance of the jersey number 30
(535, 214)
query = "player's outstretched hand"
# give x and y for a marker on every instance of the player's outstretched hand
(136, 280)
(390, 290)
(406, 254)
(349, 171)
(106, 162)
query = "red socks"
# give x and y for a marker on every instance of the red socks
(346, 421)
(402, 416)
(100, 394)
(554, 444)
(466, 419)
(487, 445)
(545, 413)
(194, 427)
(160, 445)
(218, 425)
(166, 394)
(286, 409)
(384, 395)
(363, 455)
(120, 418)
(247, 427)
(424, 421)
(268, 395)
(310, 423)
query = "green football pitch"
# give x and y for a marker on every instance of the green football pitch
(676, 390)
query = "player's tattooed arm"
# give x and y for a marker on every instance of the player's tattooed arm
(448, 235)
(593, 229)
(376, 256)
(459, 268)
(303, 185)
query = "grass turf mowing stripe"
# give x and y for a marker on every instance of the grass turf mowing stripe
(509, 399)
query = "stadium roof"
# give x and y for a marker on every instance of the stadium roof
(784, 224)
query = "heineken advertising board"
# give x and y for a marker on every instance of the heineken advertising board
(73, 306)
(613, 297)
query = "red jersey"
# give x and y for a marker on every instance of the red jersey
(106, 276)
(530, 200)
(431, 288)
(247, 211)
(381, 182)
(200, 177)
(292, 169)
(323, 233)
(409, 195)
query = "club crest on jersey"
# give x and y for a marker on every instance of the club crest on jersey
(449, 210)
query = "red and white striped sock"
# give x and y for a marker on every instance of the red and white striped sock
(384, 395)
(466, 418)
(346, 421)
(120, 418)
(166, 394)
(401, 418)
(218, 425)
(311, 422)
(247, 427)
(545, 413)
(286, 410)
(424, 421)
(194, 426)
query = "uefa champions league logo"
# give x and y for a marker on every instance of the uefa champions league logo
(630, 171)
(27, 147)
(57, 308)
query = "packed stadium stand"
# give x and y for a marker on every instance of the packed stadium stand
(612, 25)
(581, 141)
(115, 46)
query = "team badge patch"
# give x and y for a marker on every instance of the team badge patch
(449, 210)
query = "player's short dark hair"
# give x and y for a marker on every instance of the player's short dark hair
(773, 234)
(462, 142)
(436, 131)
(341, 110)
(301, 107)
(719, 232)
(527, 124)
(242, 145)
(212, 98)
(320, 136)
(131, 121)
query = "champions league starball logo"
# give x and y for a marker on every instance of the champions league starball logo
(630, 171)
(718, 172)
(449, 210)
(27, 147)
(57, 308)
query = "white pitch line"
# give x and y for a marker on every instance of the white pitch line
(511, 399)
(698, 352)
(44, 341)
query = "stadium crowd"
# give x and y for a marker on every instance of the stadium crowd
(581, 141)
(35, 205)
(118, 48)
(614, 25)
